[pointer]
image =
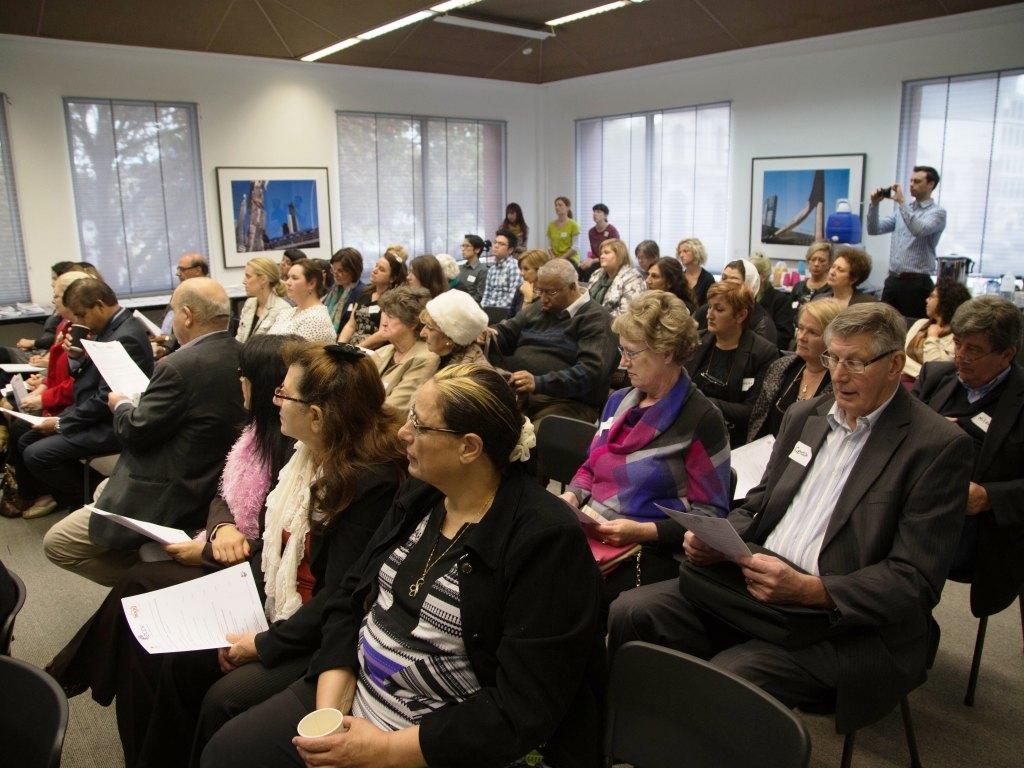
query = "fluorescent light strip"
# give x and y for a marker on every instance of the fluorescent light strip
(491, 26)
(591, 12)
(405, 21)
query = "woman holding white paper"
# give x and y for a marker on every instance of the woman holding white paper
(327, 503)
(659, 442)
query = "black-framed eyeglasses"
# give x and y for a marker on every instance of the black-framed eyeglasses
(969, 355)
(279, 394)
(631, 354)
(549, 291)
(832, 362)
(419, 428)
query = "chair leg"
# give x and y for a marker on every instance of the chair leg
(979, 646)
(847, 758)
(908, 727)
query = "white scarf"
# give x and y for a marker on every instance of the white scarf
(287, 510)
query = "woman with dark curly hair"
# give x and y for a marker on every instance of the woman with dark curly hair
(931, 338)
(666, 274)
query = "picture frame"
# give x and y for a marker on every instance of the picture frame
(791, 199)
(266, 210)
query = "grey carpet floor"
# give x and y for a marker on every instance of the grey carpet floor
(949, 734)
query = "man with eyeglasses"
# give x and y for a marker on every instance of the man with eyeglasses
(560, 349)
(857, 515)
(173, 442)
(189, 265)
(503, 277)
(982, 392)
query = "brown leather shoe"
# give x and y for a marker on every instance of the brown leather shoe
(14, 507)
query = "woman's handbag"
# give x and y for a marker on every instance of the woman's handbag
(721, 590)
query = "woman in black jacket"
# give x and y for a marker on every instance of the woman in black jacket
(730, 361)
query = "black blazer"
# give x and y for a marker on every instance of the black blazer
(887, 547)
(999, 467)
(753, 356)
(174, 443)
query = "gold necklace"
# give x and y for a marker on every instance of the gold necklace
(414, 588)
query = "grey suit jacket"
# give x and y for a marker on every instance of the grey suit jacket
(174, 442)
(999, 468)
(887, 548)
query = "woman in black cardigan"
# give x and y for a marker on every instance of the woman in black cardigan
(730, 361)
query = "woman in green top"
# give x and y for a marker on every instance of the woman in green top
(562, 232)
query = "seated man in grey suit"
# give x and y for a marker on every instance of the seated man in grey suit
(982, 390)
(173, 443)
(865, 493)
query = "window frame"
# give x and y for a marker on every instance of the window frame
(16, 272)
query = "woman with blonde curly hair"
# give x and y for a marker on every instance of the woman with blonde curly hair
(693, 256)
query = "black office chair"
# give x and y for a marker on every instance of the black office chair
(667, 709)
(562, 445)
(35, 716)
(7, 625)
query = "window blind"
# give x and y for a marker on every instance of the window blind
(14, 286)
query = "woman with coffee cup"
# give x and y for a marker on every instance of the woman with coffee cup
(447, 643)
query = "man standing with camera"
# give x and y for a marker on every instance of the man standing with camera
(916, 230)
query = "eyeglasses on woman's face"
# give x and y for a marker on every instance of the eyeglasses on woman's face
(280, 395)
(419, 428)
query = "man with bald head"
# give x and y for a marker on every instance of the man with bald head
(174, 441)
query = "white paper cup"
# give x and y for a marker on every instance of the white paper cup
(320, 722)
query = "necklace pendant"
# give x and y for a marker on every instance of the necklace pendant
(414, 589)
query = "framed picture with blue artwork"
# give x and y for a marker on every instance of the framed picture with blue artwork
(265, 211)
(791, 199)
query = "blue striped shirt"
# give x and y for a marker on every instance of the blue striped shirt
(915, 234)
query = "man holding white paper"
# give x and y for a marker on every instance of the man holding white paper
(861, 505)
(52, 449)
(173, 443)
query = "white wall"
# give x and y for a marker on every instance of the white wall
(251, 112)
(838, 94)
(832, 95)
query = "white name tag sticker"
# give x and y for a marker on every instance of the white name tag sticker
(801, 454)
(605, 425)
(747, 384)
(982, 421)
(795, 304)
(372, 310)
(470, 278)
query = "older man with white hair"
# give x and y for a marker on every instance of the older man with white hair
(560, 350)
(173, 443)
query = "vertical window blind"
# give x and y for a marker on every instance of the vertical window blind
(14, 286)
(421, 182)
(971, 129)
(664, 175)
(137, 178)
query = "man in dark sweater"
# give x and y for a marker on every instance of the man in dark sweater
(560, 350)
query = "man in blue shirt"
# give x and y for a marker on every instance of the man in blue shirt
(916, 229)
(503, 278)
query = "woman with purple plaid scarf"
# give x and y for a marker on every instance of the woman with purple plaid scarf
(660, 441)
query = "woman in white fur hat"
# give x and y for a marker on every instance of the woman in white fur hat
(452, 323)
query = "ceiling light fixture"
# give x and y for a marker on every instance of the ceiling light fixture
(494, 26)
(591, 12)
(384, 29)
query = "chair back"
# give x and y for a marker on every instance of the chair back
(562, 445)
(667, 709)
(35, 716)
(7, 622)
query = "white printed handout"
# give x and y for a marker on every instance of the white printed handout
(116, 367)
(716, 532)
(18, 389)
(33, 420)
(161, 534)
(151, 328)
(750, 461)
(20, 368)
(197, 614)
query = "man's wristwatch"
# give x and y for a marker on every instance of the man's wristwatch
(56, 426)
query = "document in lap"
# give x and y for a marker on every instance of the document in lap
(20, 368)
(116, 367)
(750, 462)
(151, 328)
(716, 532)
(197, 614)
(161, 534)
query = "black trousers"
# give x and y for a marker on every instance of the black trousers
(907, 293)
